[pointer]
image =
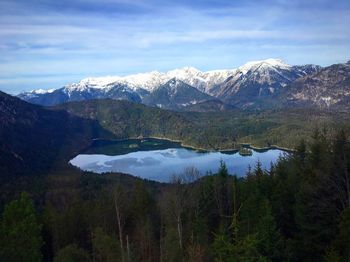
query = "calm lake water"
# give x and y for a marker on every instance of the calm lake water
(159, 159)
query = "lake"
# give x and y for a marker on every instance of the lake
(158, 160)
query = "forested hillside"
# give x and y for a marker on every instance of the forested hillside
(33, 138)
(298, 210)
(209, 130)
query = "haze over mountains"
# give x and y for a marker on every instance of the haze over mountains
(262, 84)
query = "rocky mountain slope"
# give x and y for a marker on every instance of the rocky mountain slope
(328, 89)
(82, 91)
(257, 81)
(175, 94)
(132, 88)
(261, 84)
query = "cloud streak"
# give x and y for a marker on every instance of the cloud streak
(74, 39)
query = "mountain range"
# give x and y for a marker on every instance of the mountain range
(269, 83)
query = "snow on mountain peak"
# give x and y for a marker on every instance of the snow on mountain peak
(151, 80)
(275, 62)
(42, 91)
(146, 81)
(99, 82)
(184, 73)
(271, 62)
(135, 81)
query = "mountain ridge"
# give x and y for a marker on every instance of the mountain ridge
(175, 94)
(153, 79)
(329, 88)
(33, 139)
(256, 85)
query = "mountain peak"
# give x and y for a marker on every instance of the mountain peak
(274, 62)
(174, 83)
(270, 74)
(184, 72)
(271, 62)
(99, 81)
(190, 69)
(42, 91)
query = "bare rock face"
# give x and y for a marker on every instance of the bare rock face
(175, 94)
(328, 89)
(258, 82)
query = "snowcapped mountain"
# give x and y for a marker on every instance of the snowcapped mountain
(82, 91)
(132, 87)
(152, 80)
(203, 81)
(147, 81)
(256, 84)
(175, 94)
(258, 80)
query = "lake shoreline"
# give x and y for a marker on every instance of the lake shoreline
(228, 150)
(153, 159)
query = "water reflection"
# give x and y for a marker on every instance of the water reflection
(160, 165)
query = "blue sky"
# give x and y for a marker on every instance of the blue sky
(48, 43)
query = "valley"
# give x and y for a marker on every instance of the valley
(196, 162)
(56, 134)
(218, 130)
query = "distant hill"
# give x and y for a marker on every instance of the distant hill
(33, 139)
(126, 119)
(207, 128)
(212, 105)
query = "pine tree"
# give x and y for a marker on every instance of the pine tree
(105, 247)
(342, 241)
(258, 169)
(269, 238)
(72, 253)
(142, 216)
(20, 237)
(300, 154)
(221, 189)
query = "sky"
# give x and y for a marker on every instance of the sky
(50, 43)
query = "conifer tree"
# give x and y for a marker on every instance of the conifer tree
(20, 232)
